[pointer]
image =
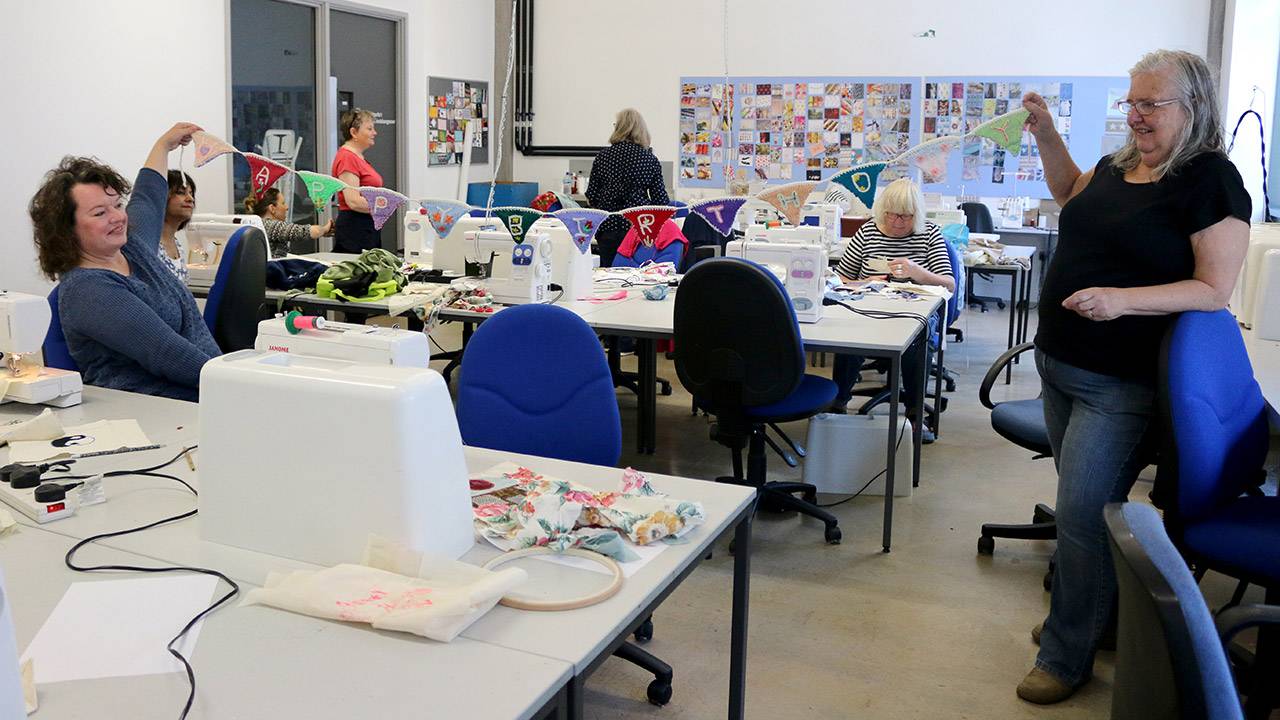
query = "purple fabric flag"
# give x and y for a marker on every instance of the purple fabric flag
(719, 212)
(383, 203)
(443, 214)
(582, 224)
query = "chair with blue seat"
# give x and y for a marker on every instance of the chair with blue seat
(237, 299)
(55, 350)
(529, 373)
(1211, 470)
(1170, 660)
(978, 219)
(739, 353)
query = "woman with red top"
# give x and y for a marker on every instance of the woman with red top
(353, 230)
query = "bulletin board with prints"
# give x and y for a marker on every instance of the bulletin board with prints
(451, 104)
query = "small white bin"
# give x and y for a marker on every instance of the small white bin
(846, 451)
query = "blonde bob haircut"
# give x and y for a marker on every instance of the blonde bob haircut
(630, 127)
(1192, 82)
(903, 197)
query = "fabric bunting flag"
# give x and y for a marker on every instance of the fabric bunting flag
(789, 199)
(518, 220)
(208, 147)
(263, 172)
(320, 187)
(719, 212)
(383, 203)
(931, 158)
(443, 214)
(861, 181)
(582, 224)
(1005, 130)
(647, 220)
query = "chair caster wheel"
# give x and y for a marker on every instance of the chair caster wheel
(832, 535)
(810, 496)
(659, 693)
(1048, 581)
(986, 545)
(644, 633)
(666, 389)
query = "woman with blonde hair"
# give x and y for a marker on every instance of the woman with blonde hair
(625, 174)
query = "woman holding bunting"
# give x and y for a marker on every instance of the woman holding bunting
(625, 174)
(1159, 227)
(353, 228)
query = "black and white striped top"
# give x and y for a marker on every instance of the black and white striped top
(927, 249)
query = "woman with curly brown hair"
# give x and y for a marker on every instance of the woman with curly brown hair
(130, 324)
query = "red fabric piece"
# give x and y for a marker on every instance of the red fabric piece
(669, 233)
(546, 202)
(263, 173)
(347, 161)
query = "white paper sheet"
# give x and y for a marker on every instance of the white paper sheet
(94, 437)
(119, 628)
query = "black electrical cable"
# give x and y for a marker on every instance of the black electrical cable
(438, 346)
(877, 476)
(1266, 198)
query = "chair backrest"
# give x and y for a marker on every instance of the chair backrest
(239, 291)
(1214, 413)
(737, 340)
(55, 350)
(1170, 662)
(673, 252)
(977, 217)
(956, 304)
(535, 380)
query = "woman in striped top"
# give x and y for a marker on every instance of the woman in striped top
(897, 245)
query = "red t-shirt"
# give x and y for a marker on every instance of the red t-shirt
(347, 161)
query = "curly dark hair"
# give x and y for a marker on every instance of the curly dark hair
(53, 211)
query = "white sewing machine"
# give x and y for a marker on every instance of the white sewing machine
(800, 266)
(205, 242)
(24, 322)
(400, 472)
(449, 253)
(943, 217)
(804, 234)
(828, 216)
(518, 274)
(571, 269)
(364, 344)
(1246, 301)
(419, 238)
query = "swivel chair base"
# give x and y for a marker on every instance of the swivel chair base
(1043, 526)
(780, 497)
(659, 690)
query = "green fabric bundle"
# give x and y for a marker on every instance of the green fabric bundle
(372, 276)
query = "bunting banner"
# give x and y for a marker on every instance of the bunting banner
(383, 203)
(582, 224)
(719, 212)
(320, 188)
(647, 220)
(1005, 130)
(443, 214)
(931, 158)
(209, 147)
(263, 172)
(789, 199)
(518, 220)
(861, 181)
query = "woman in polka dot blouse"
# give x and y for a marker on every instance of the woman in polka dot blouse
(625, 174)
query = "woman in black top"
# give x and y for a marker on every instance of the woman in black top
(1157, 228)
(625, 174)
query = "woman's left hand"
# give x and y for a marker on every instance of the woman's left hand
(907, 268)
(1097, 303)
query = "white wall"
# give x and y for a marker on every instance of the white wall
(106, 78)
(1251, 51)
(592, 59)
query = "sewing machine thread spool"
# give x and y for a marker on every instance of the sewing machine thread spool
(295, 322)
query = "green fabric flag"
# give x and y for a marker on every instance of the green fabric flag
(518, 220)
(1005, 130)
(320, 187)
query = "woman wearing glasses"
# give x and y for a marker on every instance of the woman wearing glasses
(1159, 227)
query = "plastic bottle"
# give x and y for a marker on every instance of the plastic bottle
(567, 186)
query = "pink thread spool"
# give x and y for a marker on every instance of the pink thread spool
(295, 322)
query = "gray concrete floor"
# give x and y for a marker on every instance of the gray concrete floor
(930, 630)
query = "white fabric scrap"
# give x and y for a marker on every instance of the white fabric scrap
(45, 426)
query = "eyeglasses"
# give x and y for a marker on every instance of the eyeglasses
(900, 217)
(1144, 107)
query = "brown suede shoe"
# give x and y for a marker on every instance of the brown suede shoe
(1043, 688)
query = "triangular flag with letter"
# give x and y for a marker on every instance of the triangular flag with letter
(719, 212)
(208, 147)
(1005, 130)
(518, 220)
(931, 158)
(861, 181)
(789, 199)
(443, 214)
(582, 224)
(647, 220)
(263, 172)
(383, 203)
(320, 187)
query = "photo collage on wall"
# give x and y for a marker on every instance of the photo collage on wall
(705, 124)
(449, 109)
(956, 108)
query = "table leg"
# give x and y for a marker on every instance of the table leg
(917, 432)
(575, 701)
(937, 381)
(1026, 301)
(1013, 313)
(647, 359)
(895, 379)
(738, 631)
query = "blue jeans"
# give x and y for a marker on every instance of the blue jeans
(844, 372)
(1097, 425)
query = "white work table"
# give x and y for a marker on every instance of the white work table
(1264, 355)
(581, 638)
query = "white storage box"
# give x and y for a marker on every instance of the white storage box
(845, 451)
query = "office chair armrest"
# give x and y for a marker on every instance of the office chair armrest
(1242, 617)
(997, 367)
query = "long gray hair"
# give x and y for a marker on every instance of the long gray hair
(1198, 96)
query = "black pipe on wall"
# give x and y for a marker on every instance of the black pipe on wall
(523, 80)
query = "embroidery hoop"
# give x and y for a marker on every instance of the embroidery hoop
(524, 603)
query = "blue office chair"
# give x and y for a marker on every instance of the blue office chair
(738, 352)
(1170, 661)
(1212, 468)
(528, 374)
(55, 350)
(238, 296)
(978, 219)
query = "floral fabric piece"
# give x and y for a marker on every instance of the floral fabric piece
(931, 158)
(444, 214)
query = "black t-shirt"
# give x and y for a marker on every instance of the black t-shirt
(1121, 234)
